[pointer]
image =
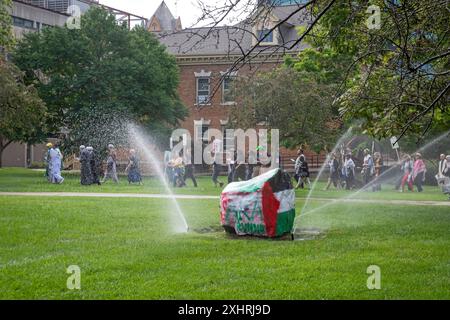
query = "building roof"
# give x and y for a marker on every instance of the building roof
(165, 18)
(282, 12)
(233, 39)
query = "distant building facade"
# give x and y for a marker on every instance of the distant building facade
(34, 15)
(62, 5)
(205, 57)
(27, 16)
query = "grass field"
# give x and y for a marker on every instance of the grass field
(126, 250)
(23, 180)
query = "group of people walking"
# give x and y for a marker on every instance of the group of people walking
(413, 172)
(91, 166)
(178, 169)
(239, 166)
(342, 171)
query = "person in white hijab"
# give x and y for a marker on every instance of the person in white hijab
(441, 167)
(56, 163)
(446, 179)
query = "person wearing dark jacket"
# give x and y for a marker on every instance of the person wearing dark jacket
(189, 169)
(86, 172)
(349, 172)
(333, 178)
(301, 170)
(94, 165)
(251, 163)
(231, 164)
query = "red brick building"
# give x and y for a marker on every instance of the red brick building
(206, 57)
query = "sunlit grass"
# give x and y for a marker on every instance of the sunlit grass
(125, 249)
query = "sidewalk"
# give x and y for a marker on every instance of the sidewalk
(199, 197)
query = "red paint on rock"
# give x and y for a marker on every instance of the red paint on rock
(270, 206)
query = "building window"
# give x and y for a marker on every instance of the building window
(205, 132)
(201, 132)
(228, 90)
(23, 23)
(263, 33)
(203, 90)
(228, 137)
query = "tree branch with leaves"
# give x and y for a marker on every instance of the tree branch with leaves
(22, 112)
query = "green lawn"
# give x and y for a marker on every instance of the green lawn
(24, 180)
(125, 249)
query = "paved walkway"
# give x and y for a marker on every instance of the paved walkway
(201, 197)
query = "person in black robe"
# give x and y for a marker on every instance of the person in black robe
(133, 168)
(189, 168)
(86, 173)
(231, 162)
(334, 174)
(251, 163)
(304, 171)
(94, 165)
(301, 170)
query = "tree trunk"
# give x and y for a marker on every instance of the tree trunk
(1, 153)
(2, 148)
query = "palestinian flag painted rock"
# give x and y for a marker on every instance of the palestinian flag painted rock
(263, 206)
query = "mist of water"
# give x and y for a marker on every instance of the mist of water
(305, 211)
(142, 142)
(319, 174)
